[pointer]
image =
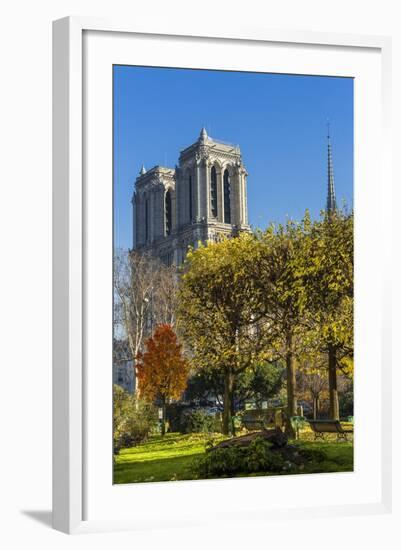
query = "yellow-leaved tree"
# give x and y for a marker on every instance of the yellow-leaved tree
(220, 315)
(327, 276)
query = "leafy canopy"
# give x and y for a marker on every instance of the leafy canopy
(162, 369)
(219, 304)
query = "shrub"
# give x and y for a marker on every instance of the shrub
(219, 462)
(176, 416)
(260, 458)
(198, 421)
(133, 419)
(226, 461)
(347, 404)
(187, 420)
(298, 423)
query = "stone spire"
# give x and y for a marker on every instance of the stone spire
(203, 135)
(331, 193)
(143, 170)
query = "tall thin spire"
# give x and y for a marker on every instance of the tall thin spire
(331, 193)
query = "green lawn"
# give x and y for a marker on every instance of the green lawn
(170, 458)
(340, 456)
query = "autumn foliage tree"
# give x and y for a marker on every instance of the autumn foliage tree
(219, 314)
(162, 369)
(277, 273)
(272, 296)
(328, 284)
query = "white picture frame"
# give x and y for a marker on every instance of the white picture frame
(70, 258)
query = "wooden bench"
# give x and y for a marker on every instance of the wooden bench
(253, 423)
(259, 419)
(320, 427)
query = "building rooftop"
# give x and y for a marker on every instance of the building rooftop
(145, 175)
(205, 139)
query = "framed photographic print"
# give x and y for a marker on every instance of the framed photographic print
(219, 321)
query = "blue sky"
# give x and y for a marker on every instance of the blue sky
(279, 122)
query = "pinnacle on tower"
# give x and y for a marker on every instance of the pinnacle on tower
(203, 135)
(143, 170)
(331, 194)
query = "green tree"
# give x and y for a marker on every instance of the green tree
(218, 313)
(260, 383)
(277, 273)
(328, 283)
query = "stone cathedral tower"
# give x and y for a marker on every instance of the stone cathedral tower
(201, 200)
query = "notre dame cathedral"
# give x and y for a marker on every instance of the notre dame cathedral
(203, 199)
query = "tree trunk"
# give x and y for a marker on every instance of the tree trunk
(291, 383)
(228, 403)
(333, 393)
(232, 412)
(163, 426)
(137, 389)
(315, 408)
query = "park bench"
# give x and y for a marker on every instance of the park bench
(262, 419)
(321, 427)
(253, 423)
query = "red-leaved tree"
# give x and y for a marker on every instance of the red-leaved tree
(162, 369)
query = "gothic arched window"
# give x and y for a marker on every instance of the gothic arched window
(190, 198)
(146, 220)
(167, 212)
(213, 191)
(227, 191)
